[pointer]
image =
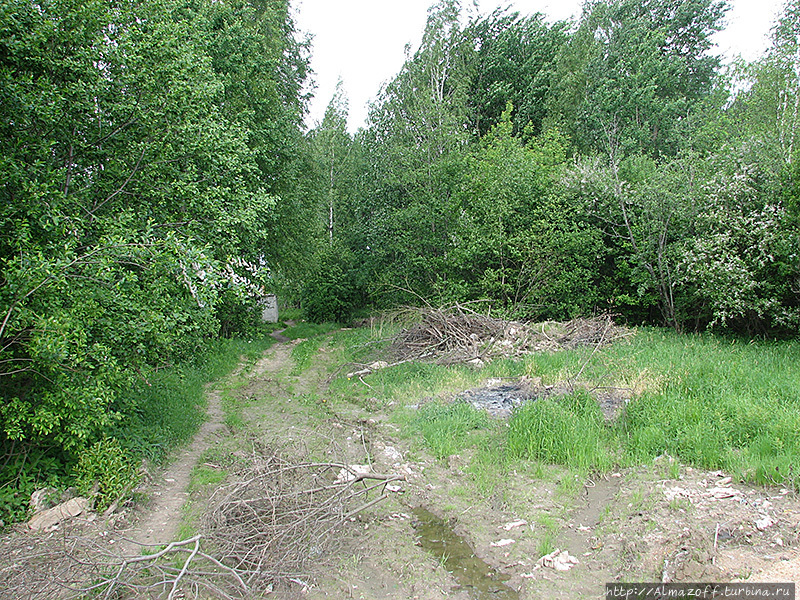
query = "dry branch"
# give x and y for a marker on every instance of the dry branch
(276, 522)
(284, 519)
(457, 334)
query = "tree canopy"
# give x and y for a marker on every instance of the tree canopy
(147, 159)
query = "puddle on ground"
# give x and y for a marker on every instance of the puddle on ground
(480, 580)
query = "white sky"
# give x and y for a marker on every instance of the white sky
(362, 41)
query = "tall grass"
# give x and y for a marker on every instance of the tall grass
(306, 330)
(445, 428)
(708, 400)
(721, 404)
(569, 431)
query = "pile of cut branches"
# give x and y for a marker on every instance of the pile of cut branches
(272, 526)
(279, 520)
(446, 335)
(457, 334)
(594, 331)
(73, 563)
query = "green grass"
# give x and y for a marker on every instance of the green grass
(489, 466)
(547, 529)
(568, 431)
(169, 406)
(303, 354)
(308, 330)
(710, 401)
(445, 428)
(721, 404)
(707, 400)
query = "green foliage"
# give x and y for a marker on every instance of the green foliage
(331, 292)
(445, 428)
(167, 408)
(105, 471)
(632, 71)
(237, 316)
(26, 469)
(519, 243)
(332, 151)
(744, 259)
(136, 215)
(515, 63)
(568, 431)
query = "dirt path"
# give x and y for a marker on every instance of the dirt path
(158, 521)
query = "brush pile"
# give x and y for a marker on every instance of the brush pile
(279, 520)
(272, 527)
(457, 334)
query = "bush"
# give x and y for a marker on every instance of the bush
(238, 316)
(109, 467)
(331, 292)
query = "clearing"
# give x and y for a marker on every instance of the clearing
(403, 518)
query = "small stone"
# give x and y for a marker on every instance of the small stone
(675, 492)
(501, 543)
(765, 522)
(392, 454)
(515, 524)
(50, 518)
(560, 560)
(720, 493)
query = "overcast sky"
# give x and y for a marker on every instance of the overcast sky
(362, 41)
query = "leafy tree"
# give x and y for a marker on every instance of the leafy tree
(646, 211)
(136, 195)
(514, 62)
(742, 262)
(633, 71)
(418, 132)
(332, 148)
(519, 243)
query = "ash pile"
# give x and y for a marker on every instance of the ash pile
(498, 399)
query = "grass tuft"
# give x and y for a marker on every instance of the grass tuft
(445, 428)
(568, 431)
